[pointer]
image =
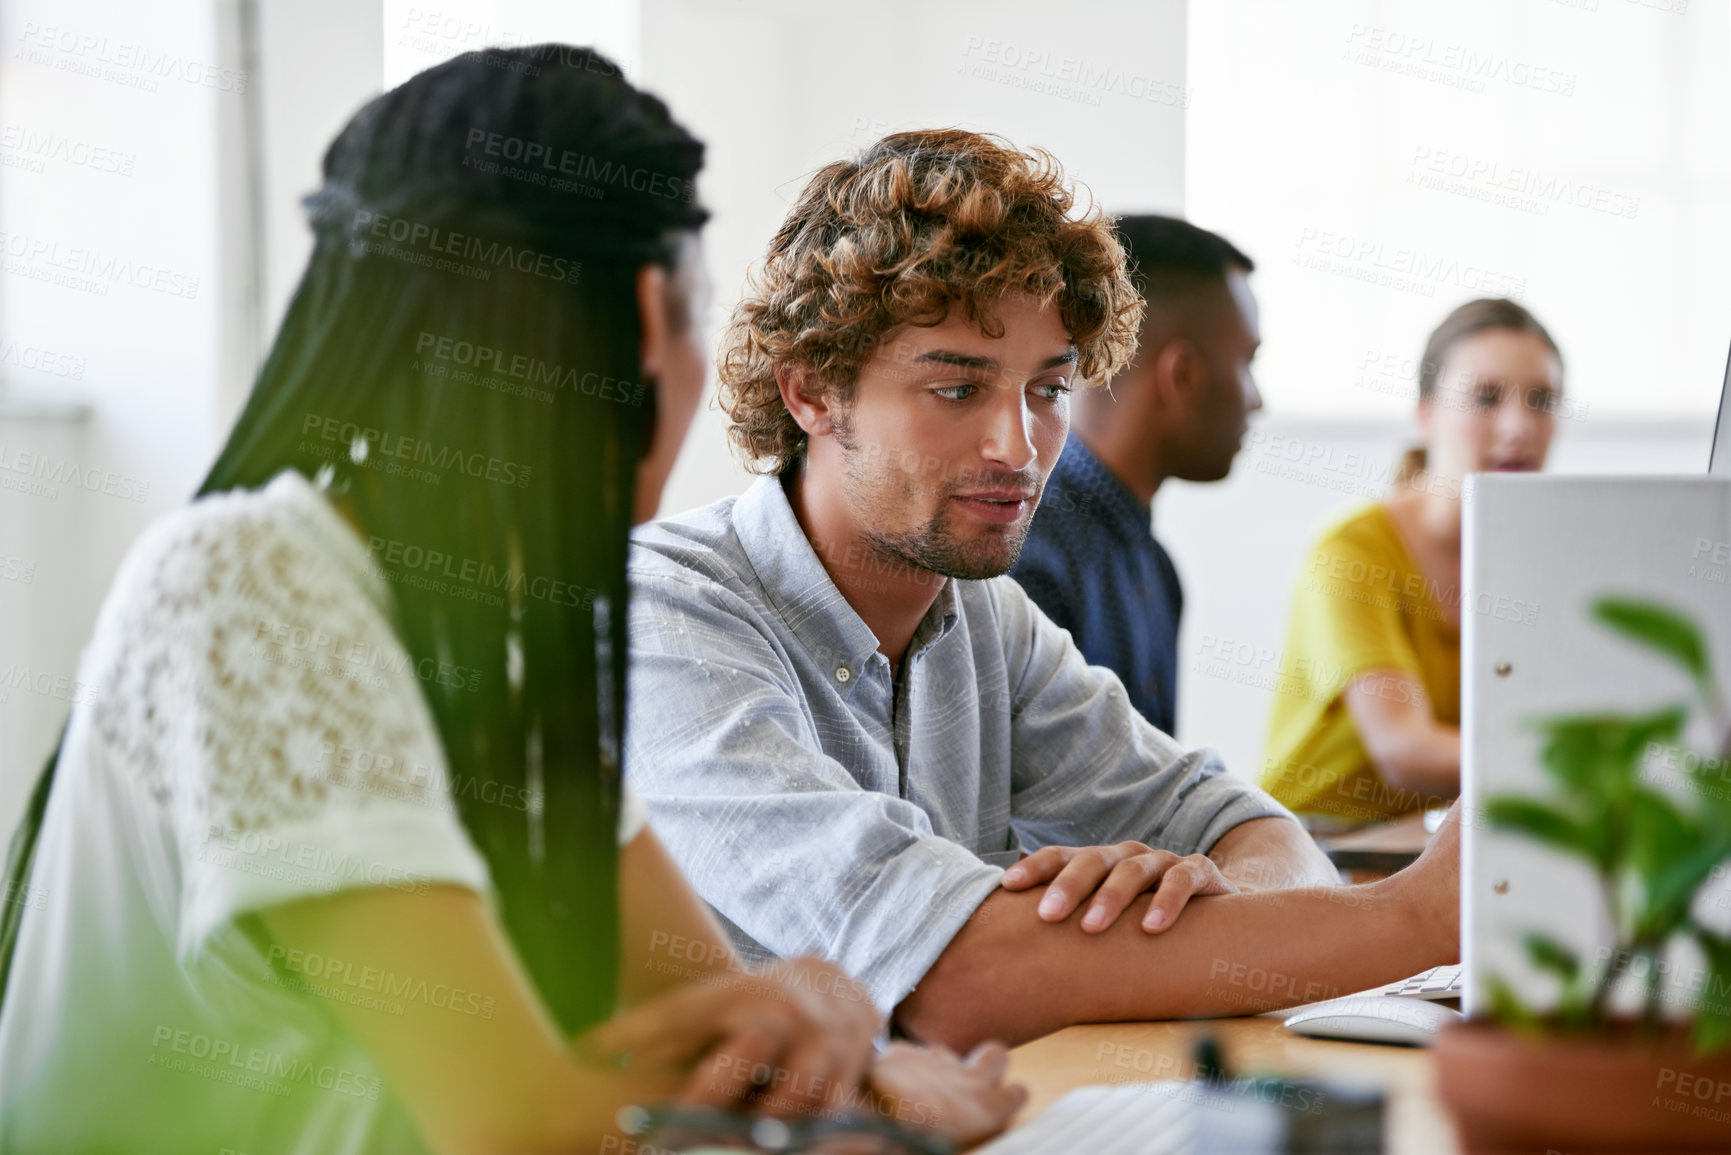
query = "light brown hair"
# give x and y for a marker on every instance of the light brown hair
(1476, 316)
(918, 223)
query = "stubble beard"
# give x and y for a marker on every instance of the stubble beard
(934, 547)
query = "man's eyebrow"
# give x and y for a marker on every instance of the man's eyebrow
(970, 361)
(960, 360)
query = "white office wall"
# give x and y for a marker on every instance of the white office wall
(318, 62)
(124, 174)
(108, 201)
(1385, 160)
(420, 35)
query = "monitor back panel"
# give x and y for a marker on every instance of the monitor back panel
(1537, 551)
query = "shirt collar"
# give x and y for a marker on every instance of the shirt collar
(803, 595)
(1081, 472)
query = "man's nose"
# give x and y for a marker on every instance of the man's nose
(1009, 439)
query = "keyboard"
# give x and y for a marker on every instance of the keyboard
(1244, 1117)
(1127, 1119)
(1175, 1117)
(1436, 983)
(1408, 1011)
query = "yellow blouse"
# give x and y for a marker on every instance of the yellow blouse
(1361, 605)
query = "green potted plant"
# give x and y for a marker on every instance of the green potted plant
(1586, 1076)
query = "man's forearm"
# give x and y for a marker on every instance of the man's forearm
(1010, 976)
(1272, 854)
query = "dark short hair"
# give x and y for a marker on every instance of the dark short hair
(1170, 257)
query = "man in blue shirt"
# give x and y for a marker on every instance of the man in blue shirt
(1179, 410)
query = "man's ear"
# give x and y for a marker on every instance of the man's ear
(812, 407)
(1180, 376)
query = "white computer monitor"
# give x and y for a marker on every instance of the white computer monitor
(1538, 550)
(1720, 460)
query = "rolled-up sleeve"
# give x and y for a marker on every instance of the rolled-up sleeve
(777, 836)
(1087, 769)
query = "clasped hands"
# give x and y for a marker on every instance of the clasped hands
(1114, 876)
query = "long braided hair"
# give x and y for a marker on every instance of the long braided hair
(460, 363)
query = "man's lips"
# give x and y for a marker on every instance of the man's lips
(995, 505)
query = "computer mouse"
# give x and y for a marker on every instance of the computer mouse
(1374, 1019)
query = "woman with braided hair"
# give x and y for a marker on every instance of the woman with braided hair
(339, 856)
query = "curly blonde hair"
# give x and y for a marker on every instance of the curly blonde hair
(919, 222)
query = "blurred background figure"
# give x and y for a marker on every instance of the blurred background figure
(1366, 719)
(1179, 410)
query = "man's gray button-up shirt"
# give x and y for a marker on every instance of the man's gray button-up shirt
(822, 806)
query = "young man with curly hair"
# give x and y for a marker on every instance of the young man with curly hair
(849, 727)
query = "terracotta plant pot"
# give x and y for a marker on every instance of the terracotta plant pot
(1615, 1091)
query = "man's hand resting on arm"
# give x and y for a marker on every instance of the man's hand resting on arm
(1009, 975)
(1262, 854)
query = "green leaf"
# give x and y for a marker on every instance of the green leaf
(1553, 957)
(1713, 1011)
(1547, 824)
(1664, 847)
(1661, 629)
(1507, 1008)
(1712, 1032)
(1575, 1009)
(1598, 756)
(1708, 777)
(1671, 889)
(1550, 955)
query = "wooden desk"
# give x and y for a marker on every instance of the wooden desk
(1416, 1123)
(1378, 850)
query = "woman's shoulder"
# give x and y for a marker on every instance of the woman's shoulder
(240, 544)
(229, 567)
(1365, 530)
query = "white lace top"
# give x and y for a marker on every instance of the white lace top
(255, 734)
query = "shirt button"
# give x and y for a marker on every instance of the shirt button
(842, 673)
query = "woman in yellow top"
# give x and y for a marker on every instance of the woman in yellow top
(1366, 723)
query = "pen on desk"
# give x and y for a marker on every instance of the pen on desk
(1210, 1062)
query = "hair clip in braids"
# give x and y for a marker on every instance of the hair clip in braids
(335, 210)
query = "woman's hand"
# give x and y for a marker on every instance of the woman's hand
(966, 1100)
(781, 1040)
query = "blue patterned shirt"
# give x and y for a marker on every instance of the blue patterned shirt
(1091, 562)
(822, 806)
